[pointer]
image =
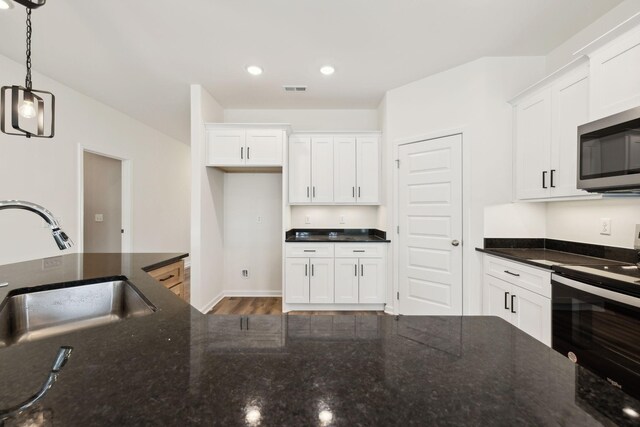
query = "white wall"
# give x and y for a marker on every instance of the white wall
(563, 54)
(249, 244)
(309, 120)
(207, 207)
(329, 216)
(516, 220)
(472, 97)
(580, 221)
(47, 172)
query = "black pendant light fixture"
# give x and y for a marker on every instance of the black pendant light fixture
(28, 111)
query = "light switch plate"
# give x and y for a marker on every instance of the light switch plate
(342, 219)
(605, 226)
(307, 220)
(99, 217)
(636, 240)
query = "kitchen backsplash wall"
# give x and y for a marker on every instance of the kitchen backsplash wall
(329, 217)
(580, 221)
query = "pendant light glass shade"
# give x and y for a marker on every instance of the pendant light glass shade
(27, 112)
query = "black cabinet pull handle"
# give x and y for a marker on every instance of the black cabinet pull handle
(358, 250)
(358, 192)
(544, 179)
(506, 300)
(247, 323)
(241, 327)
(307, 191)
(312, 270)
(314, 191)
(513, 274)
(362, 270)
(309, 250)
(553, 174)
(353, 191)
(171, 276)
(513, 297)
(306, 270)
(242, 156)
(248, 156)
(355, 269)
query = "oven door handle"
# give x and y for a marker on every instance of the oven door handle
(604, 293)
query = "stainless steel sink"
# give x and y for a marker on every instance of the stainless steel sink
(28, 314)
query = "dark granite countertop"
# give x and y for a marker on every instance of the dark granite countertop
(348, 235)
(546, 258)
(180, 367)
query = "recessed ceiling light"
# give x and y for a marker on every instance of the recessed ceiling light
(251, 69)
(327, 70)
(5, 4)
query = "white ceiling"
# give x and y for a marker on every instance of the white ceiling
(140, 56)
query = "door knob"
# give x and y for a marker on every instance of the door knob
(455, 242)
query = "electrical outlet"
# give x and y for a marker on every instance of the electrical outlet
(245, 274)
(342, 219)
(259, 219)
(307, 219)
(51, 262)
(605, 226)
(99, 217)
(636, 240)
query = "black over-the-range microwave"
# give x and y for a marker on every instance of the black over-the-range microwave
(609, 154)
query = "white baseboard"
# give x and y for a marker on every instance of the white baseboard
(207, 308)
(252, 293)
(388, 309)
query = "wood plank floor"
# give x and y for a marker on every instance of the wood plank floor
(246, 306)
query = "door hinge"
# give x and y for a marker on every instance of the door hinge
(397, 295)
(398, 163)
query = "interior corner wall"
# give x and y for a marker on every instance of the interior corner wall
(207, 207)
(472, 97)
(46, 172)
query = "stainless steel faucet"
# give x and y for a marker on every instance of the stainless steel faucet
(62, 240)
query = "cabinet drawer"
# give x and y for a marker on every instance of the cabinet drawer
(169, 275)
(309, 250)
(531, 278)
(364, 250)
(178, 290)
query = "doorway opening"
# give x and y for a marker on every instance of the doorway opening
(104, 207)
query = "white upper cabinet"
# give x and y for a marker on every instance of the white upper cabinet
(248, 146)
(368, 169)
(546, 130)
(322, 169)
(345, 169)
(299, 169)
(615, 81)
(344, 173)
(264, 147)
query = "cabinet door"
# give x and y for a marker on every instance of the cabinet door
(496, 298)
(322, 170)
(225, 147)
(344, 169)
(368, 170)
(615, 85)
(570, 109)
(372, 281)
(532, 314)
(321, 281)
(533, 146)
(346, 286)
(299, 170)
(264, 147)
(296, 280)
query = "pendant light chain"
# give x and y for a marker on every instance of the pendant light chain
(27, 81)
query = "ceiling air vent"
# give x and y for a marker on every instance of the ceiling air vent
(295, 88)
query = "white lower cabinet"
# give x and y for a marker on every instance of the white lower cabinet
(355, 275)
(507, 297)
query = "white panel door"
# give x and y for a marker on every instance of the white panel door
(344, 169)
(346, 278)
(226, 147)
(533, 146)
(570, 109)
(264, 147)
(496, 296)
(430, 220)
(322, 169)
(531, 313)
(321, 281)
(372, 281)
(299, 170)
(296, 280)
(368, 170)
